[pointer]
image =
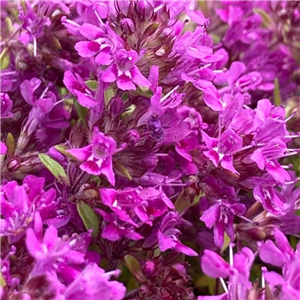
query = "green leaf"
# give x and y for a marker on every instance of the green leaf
(89, 217)
(81, 111)
(122, 170)
(2, 281)
(4, 59)
(182, 203)
(144, 92)
(62, 150)
(92, 84)
(55, 168)
(134, 266)
(276, 94)
(267, 21)
(108, 94)
(10, 143)
(226, 242)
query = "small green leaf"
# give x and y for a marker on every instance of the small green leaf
(134, 266)
(89, 217)
(81, 111)
(108, 94)
(11, 145)
(182, 203)
(267, 21)
(4, 59)
(276, 94)
(62, 150)
(92, 84)
(226, 242)
(23, 4)
(203, 7)
(151, 29)
(55, 168)
(2, 281)
(144, 92)
(122, 170)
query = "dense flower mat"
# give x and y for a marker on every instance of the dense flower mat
(150, 150)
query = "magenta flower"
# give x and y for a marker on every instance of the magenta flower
(125, 72)
(220, 216)
(99, 44)
(221, 150)
(167, 235)
(282, 255)
(94, 283)
(20, 202)
(238, 272)
(78, 88)
(96, 158)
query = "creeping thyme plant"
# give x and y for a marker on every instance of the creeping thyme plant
(150, 150)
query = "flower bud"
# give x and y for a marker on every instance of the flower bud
(132, 137)
(149, 268)
(115, 107)
(144, 10)
(127, 26)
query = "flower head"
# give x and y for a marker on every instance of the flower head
(96, 158)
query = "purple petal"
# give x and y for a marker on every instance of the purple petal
(33, 245)
(111, 233)
(72, 84)
(50, 237)
(138, 78)
(125, 84)
(273, 278)
(212, 100)
(209, 141)
(104, 57)
(213, 156)
(81, 153)
(107, 170)
(277, 172)
(87, 49)
(85, 100)
(236, 69)
(164, 242)
(197, 17)
(282, 242)
(132, 235)
(227, 163)
(219, 231)
(230, 142)
(109, 74)
(211, 215)
(259, 158)
(91, 32)
(213, 265)
(185, 250)
(270, 254)
(108, 196)
(91, 167)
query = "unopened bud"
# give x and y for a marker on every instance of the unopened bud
(144, 10)
(149, 268)
(13, 165)
(127, 26)
(115, 107)
(132, 137)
